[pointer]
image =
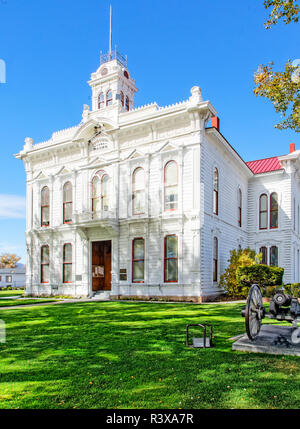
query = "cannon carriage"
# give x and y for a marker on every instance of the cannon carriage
(283, 307)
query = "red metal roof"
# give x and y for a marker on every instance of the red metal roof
(264, 165)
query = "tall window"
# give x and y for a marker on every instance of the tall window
(127, 103)
(171, 186)
(216, 192)
(101, 101)
(171, 259)
(67, 202)
(215, 260)
(273, 210)
(67, 263)
(45, 264)
(274, 256)
(239, 207)
(45, 207)
(138, 260)
(264, 251)
(138, 191)
(122, 98)
(263, 211)
(109, 98)
(96, 194)
(105, 192)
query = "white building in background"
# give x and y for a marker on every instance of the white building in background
(12, 277)
(148, 202)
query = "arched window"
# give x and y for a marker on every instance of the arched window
(263, 211)
(239, 207)
(171, 259)
(274, 210)
(101, 101)
(274, 256)
(171, 186)
(216, 192)
(127, 103)
(264, 251)
(122, 98)
(138, 191)
(215, 259)
(45, 207)
(45, 264)
(105, 192)
(67, 203)
(138, 260)
(67, 263)
(96, 195)
(109, 98)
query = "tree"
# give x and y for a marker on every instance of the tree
(238, 258)
(281, 88)
(9, 260)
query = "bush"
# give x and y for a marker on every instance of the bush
(238, 258)
(293, 289)
(260, 274)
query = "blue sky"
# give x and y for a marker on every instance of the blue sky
(51, 47)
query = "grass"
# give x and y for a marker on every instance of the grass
(13, 302)
(133, 355)
(5, 293)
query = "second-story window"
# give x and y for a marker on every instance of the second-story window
(101, 101)
(67, 203)
(263, 211)
(274, 210)
(105, 192)
(216, 192)
(171, 186)
(239, 207)
(109, 98)
(45, 206)
(138, 191)
(96, 194)
(122, 98)
(127, 106)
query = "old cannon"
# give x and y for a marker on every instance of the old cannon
(282, 307)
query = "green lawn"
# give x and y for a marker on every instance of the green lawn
(12, 302)
(5, 293)
(133, 355)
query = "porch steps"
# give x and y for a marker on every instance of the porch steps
(101, 295)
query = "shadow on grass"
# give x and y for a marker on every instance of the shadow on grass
(133, 355)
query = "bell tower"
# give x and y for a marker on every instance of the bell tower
(112, 86)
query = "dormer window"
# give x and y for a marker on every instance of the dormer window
(109, 98)
(127, 103)
(101, 100)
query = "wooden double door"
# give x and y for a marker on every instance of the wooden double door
(101, 265)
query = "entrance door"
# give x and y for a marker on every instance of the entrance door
(101, 265)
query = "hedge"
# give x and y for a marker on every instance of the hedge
(263, 275)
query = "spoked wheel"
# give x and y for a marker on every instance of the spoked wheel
(254, 312)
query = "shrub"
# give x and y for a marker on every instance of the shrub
(263, 275)
(238, 258)
(293, 289)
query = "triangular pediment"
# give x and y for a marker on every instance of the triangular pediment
(63, 170)
(97, 161)
(136, 154)
(167, 147)
(40, 176)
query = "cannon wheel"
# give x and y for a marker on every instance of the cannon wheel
(254, 312)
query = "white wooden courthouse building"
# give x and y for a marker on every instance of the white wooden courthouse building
(148, 202)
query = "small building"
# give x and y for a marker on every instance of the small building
(12, 277)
